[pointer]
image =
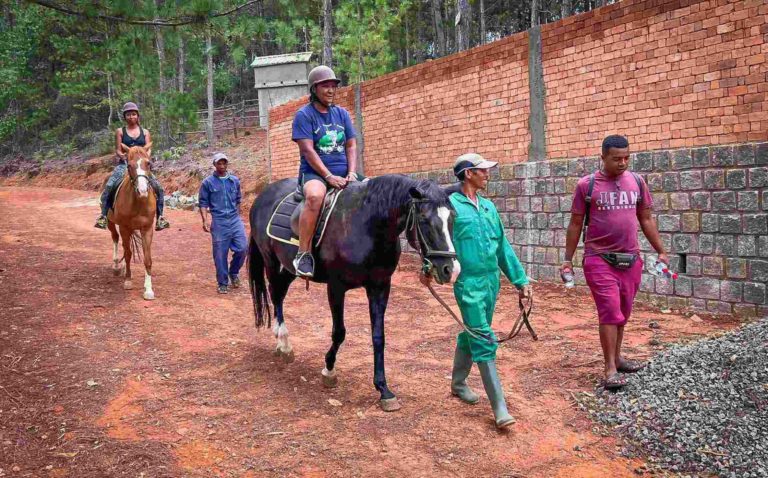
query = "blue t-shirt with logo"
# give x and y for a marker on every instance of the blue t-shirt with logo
(329, 133)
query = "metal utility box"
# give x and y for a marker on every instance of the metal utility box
(279, 79)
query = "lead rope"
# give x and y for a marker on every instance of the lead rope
(522, 319)
(525, 309)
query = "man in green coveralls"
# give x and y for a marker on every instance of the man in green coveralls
(482, 249)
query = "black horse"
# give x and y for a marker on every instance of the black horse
(360, 248)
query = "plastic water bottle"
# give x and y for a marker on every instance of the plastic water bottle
(660, 269)
(568, 279)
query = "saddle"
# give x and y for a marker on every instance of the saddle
(283, 226)
(112, 195)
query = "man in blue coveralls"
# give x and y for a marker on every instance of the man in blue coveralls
(219, 201)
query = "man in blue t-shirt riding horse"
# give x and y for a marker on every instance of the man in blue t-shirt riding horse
(328, 150)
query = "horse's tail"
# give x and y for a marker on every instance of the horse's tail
(258, 285)
(137, 247)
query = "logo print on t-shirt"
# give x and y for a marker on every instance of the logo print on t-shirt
(333, 139)
(617, 200)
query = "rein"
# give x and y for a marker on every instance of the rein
(425, 252)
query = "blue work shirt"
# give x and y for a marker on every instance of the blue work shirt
(221, 196)
(329, 133)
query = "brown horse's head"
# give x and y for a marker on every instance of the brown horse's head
(139, 168)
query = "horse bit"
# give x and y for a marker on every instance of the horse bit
(525, 308)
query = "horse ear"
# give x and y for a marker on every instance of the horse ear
(416, 193)
(148, 148)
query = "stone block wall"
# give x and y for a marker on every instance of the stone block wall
(710, 203)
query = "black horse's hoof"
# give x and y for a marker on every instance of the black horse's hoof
(330, 382)
(390, 404)
(288, 357)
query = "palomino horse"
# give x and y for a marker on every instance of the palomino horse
(134, 211)
(360, 248)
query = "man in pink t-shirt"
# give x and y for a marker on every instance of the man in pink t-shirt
(619, 201)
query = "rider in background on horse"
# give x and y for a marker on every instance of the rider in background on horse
(328, 150)
(130, 135)
(482, 249)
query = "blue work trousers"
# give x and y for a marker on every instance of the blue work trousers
(228, 234)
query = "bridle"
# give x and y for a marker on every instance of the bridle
(425, 252)
(135, 180)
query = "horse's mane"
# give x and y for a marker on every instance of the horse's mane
(392, 191)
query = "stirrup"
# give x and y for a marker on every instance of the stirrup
(162, 223)
(101, 222)
(297, 261)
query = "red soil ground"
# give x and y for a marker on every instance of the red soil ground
(96, 382)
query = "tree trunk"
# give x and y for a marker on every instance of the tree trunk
(437, 18)
(462, 25)
(209, 89)
(182, 60)
(160, 46)
(565, 8)
(328, 33)
(407, 43)
(483, 32)
(360, 64)
(109, 99)
(450, 32)
(534, 13)
(110, 86)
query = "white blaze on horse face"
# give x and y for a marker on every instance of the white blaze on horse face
(143, 185)
(445, 214)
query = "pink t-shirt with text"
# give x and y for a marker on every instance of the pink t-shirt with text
(613, 212)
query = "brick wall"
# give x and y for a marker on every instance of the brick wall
(284, 154)
(711, 205)
(669, 73)
(420, 118)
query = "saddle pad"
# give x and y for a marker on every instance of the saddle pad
(113, 194)
(279, 226)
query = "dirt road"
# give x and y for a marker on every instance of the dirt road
(95, 381)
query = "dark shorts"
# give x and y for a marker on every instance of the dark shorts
(304, 178)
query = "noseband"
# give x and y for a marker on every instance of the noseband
(426, 252)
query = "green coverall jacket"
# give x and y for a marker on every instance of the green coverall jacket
(481, 249)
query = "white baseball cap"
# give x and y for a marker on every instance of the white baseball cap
(471, 161)
(219, 156)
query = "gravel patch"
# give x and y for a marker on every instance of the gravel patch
(699, 408)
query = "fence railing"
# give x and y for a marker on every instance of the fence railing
(235, 117)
